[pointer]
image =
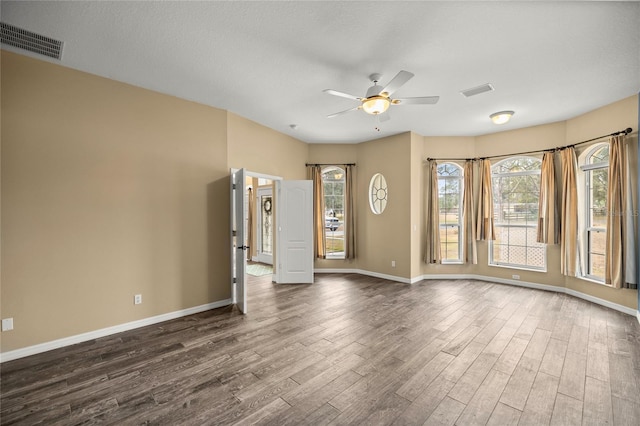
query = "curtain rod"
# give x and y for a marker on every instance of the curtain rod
(329, 164)
(625, 132)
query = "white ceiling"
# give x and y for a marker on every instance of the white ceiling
(270, 61)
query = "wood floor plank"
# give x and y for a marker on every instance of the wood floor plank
(503, 415)
(479, 409)
(423, 377)
(553, 359)
(597, 407)
(533, 354)
(445, 413)
(265, 414)
(424, 404)
(517, 390)
(598, 361)
(471, 380)
(623, 384)
(511, 355)
(539, 407)
(567, 411)
(625, 412)
(573, 374)
(462, 362)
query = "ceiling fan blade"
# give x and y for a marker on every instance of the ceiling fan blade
(384, 116)
(425, 100)
(344, 112)
(401, 78)
(341, 94)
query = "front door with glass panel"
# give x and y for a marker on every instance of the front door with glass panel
(264, 225)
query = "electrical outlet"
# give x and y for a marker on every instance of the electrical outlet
(393, 263)
(137, 299)
(7, 324)
(515, 277)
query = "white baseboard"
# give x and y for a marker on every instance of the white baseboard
(638, 316)
(79, 338)
(580, 295)
(363, 272)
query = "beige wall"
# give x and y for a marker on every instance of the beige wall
(108, 191)
(262, 150)
(387, 236)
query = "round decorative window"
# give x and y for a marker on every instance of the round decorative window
(378, 193)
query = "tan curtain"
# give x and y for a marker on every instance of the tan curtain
(616, 211)
(250, 219)
(350, 215)
(569, 213)
(469, 249)
(314, 173)
(547, 224)
(432, 249)
(485, 229)
(631, 231)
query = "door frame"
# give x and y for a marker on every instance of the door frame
(233, 286)
(261, 257)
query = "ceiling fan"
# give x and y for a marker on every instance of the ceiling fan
(377, 100)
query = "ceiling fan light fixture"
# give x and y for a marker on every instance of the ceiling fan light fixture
(375, 105)
(501, 117)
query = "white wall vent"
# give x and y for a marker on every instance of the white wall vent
(27, 40)
(477, 90)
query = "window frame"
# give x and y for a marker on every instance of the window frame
(499, 223)
(458, 225)
(334, 255)
(588, 230)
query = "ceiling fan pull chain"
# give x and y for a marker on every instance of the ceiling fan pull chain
(377, 126)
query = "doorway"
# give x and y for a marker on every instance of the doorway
(264, 224)
(291, 231)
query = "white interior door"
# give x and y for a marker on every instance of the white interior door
(294, 220)
(264, 225)
(238, 246)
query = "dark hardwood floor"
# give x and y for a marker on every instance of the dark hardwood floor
(348, 349)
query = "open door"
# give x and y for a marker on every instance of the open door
(294, 221)
(238, 247)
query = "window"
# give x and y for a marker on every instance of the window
(596, 180)
(450, 203)
(333, 182)
(516, 189)
(378, 192)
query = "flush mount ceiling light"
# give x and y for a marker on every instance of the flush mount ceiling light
(501, 117)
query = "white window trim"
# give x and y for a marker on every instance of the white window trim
(459, 225)
(340, 255)
(491, 261)
(586, 168)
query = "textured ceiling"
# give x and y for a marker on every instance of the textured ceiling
(270, 61)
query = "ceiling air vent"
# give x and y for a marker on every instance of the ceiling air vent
(27, 40)
(477, 90)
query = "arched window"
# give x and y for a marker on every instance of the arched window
(516, 189)
(333, 179)
(595, 168)
(450, 181)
